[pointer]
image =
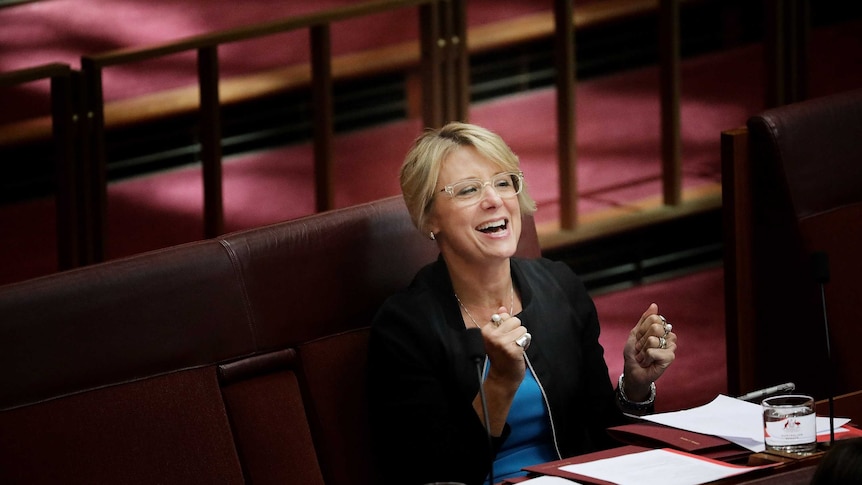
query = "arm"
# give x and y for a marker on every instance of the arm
(421, 390)
(645, 357)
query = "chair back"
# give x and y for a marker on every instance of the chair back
(794, 192)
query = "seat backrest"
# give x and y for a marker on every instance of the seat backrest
(797, 190)
(368, 252)
(165, 429)
(179, 365)
(268, 419)
(109, 372)
(333, 379)
(330, 272)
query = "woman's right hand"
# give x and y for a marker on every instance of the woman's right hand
(507, 358)
(506, 372)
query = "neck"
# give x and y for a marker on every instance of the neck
(484, 284)
(482, 291)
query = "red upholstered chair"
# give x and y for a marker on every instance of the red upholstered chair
(332, 368)
(268, 419)
(793, 187)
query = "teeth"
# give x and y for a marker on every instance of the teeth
(492, 225)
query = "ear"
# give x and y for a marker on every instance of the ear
(431, 224)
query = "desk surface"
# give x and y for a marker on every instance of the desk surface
(794, 471)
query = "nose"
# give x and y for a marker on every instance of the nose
(491, 195)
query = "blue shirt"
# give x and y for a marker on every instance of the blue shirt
(530, 441)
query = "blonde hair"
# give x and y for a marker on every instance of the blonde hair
(421, 166)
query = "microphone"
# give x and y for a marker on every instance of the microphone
(751, 396)
(475, 346)
(820, 272)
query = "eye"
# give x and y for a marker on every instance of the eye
(466, 189)
(503, 182)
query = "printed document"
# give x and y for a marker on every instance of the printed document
(657, 467)
(735, 420)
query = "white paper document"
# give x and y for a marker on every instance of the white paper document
(549, 480)
(657, 467)
(737, 421)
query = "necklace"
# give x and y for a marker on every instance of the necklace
(511, 308)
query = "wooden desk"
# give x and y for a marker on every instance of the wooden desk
(791, 470)
(846, 406)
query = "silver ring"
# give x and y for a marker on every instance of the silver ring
(524, 340)
(665, 325)
(496, 319)
(662, 342)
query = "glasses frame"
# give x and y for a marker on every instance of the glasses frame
(450, 189)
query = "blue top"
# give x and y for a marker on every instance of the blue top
(530, 441)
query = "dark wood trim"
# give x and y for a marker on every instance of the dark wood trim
(564, 61)
(324, 131)
(210, 140)
(736, 220)
(669, 87)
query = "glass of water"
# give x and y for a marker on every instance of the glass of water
(789, 424)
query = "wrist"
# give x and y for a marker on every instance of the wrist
(639, 406)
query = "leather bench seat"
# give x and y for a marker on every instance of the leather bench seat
(239, 359)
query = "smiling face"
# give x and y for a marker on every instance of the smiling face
(479, 233)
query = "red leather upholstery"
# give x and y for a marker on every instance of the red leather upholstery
(232, 360)
(805, 167)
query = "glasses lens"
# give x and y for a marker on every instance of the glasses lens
(467, 190)
(506, 185)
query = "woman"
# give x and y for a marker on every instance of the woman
(547, 389)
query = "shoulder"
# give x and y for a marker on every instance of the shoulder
(414, 310)
(543, 271)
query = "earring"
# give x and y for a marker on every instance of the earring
(431, 235)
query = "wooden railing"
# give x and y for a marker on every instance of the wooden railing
(442, 90)
(786, 25)
(67, 176)
(443, 66)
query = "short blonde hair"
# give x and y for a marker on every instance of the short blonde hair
(421, 167)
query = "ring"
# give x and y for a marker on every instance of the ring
(667, 326)
(662, 342)
(495, 319)
(524, 340)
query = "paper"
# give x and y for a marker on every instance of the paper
(823, 425)
(737, 421)
(549, 480)
(657, 467)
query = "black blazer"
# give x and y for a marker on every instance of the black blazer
(422, 382)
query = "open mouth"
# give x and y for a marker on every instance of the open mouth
(493, 227)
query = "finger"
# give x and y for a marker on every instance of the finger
(659, 358)
(497, 318)
(656, 356)
(651, 310)
(643, 341)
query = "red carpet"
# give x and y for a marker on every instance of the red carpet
(694, 304)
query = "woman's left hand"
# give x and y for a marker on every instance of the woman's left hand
(649, 350)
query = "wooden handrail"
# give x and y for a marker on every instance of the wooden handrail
(436, 63)
(300, 22)
(444, 81)
(35, 73)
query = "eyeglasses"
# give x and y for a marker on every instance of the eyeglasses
(469, 191)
